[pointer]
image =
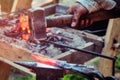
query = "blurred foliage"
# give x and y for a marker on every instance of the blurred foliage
(17, 74)
(25, 78)
(117, 65)
(74, 77)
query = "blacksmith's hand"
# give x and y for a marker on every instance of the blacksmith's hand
(82, 7)
(77, 10)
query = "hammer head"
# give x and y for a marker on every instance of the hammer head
(37, 23)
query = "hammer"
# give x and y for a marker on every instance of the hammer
(38, 22)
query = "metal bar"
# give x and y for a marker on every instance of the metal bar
(88, 52)
(81, 50)
(113, 66)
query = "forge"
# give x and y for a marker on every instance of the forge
(17, 44)
(57, 35)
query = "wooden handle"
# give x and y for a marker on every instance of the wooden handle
(65, 20)
(59, 21)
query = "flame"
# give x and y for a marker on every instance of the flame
(24, 25)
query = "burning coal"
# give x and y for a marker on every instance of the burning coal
(18, 33)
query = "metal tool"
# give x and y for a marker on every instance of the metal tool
(36, 65)
(43, 62)
(87, 71)
(87, 52)
(43, 71)
(38, 22)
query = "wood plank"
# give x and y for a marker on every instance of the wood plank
(113, 31)
(21, 4)
(10, 63)
(81, 57)
(56, 1)
(4, 70)
(69, 55)
(14, 6)
(6, 5)
(98, 41)
(13, 53)
(48, 2)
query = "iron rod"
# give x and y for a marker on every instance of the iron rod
(81, 50)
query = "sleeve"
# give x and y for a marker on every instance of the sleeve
(95, 5)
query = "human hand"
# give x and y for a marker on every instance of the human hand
(78, 10)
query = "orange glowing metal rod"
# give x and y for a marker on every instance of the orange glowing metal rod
(44, 60)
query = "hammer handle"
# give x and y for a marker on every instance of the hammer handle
(66, 20)
(59, 21)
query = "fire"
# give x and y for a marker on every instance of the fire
(24, 25)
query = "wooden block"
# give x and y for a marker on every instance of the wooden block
(111, 38)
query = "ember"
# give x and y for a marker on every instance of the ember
(51, 49)
(19, 32)
(24, 25)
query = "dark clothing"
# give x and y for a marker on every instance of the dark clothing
(118, 4)
(116, 10)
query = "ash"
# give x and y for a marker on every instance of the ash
(60, 36)
(54, 34)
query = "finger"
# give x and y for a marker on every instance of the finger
(76, 17)
(87, 22)
(91, 22)
(82, 23)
